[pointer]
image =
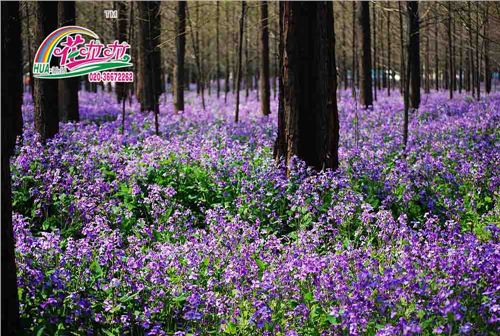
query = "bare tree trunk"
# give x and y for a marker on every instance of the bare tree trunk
(227, 68)
(427, 61)
(450, 52)
(471, 52)
(180, 48)
(280, 146)
(217, 61)
(247, 62)
(478, 60)
(12, 93)
(121, 35)
(374, 43)
(45, 97)
(149, 54)
(402, 54)
(389, 51)
(366, 97)
(436, 55)
(240, 50)
(310, 105)
(28, 44)
(461, 61)
(264, 64)
(355, 73)
(486, 34)
(414, 53)
(68, 88)
(344, 46)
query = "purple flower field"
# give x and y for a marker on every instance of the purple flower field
(198, 232)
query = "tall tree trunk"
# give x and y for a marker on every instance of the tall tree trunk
(12, 93)
(450, 52)
(68, 88)
(227, 67)
(247, 61)
(344, 47)
(436, 54)
(427, 61)
(402, 69)
(389, 51)
(486, 34)
(149, 76)
(264, 63)
(478, 60)
(414, 53)
(461, 61)
(121, 35)
(374, 43)
(240, 50)
(471, 52)
(217, 60)
(45, 97)
(180, 48)
(355, 71)
(310, 105)
(280, 147)
(365, 78)
(28, 44)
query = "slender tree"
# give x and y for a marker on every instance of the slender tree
(217, 60)
(451, 73)
(180, 48)
(389, 54)
(264, 63)
(436, 54)
(240, 50)
(374, 43)
(486, 39)
(68, 88)
(365, 77)
(414, 53)
(310, 124)
(45, 95)
(149, 74)
(12, 98)
(121, 35)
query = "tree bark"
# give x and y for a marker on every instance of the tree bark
(227, 68)
(375, 65)
(149, 75)
(68, 88)
(486, 34)
(121, 35)
(414, 53)
(389, 51)
(264, 63)
(310, 122)
(478, 60)
(451, 74)
(45, 97)
(365, 66)
(217, 61)
(240, 50)
(436, 55)
(12, 93)
(180, 48)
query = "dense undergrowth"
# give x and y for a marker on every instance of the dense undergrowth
(199, 232)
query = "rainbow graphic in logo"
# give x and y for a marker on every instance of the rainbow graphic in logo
(76, 56)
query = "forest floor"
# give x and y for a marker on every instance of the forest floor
(197, 231)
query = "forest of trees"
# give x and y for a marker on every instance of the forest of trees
(300, 52)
